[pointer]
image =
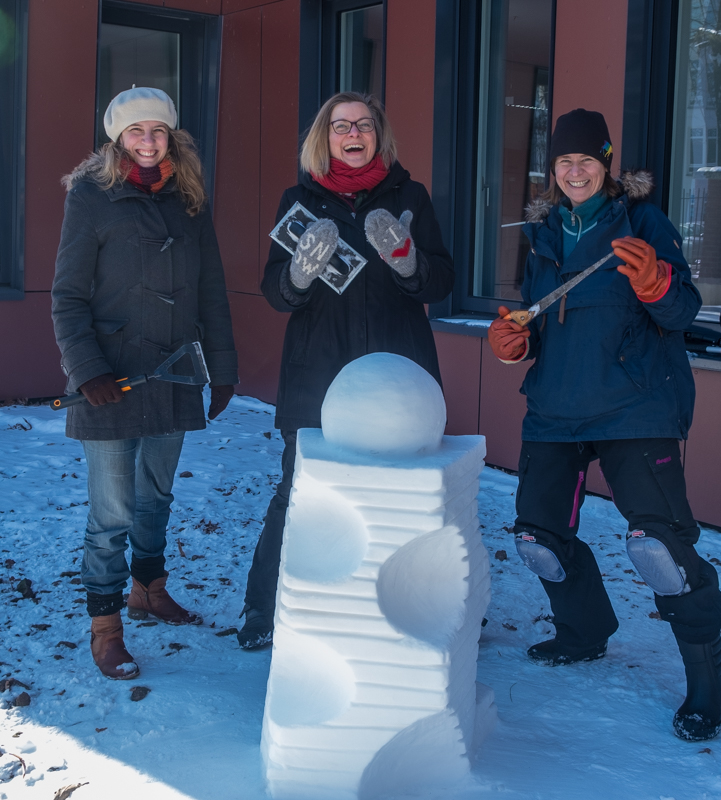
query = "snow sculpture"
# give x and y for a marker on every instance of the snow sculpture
(384, 581)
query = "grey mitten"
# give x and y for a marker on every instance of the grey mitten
(392, 239)
(314, 251)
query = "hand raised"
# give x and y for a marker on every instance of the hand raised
(392, 239)
(314, 251)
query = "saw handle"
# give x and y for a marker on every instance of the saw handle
(126, 384)
(522, 316)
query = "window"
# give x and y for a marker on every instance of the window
(490, 140)
(136, 57)
(178, 52)
(513, 139)
(694, 204)
(13, 49)
(353, 47)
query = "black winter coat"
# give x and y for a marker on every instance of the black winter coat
(125, 297)
(378, 312)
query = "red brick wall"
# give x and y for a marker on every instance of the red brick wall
(410, 65)
(590, 62)
(257, 160)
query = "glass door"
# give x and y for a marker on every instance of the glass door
(513, 130)
(695, 178)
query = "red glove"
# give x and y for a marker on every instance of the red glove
(649, 278)
(219, 399)
(101, 390)
(507, 338)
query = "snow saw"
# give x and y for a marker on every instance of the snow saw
(162, 373)
(524, 316)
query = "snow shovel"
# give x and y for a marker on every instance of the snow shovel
(162, 373)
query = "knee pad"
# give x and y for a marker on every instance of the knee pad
(652, 558)
(539, 558)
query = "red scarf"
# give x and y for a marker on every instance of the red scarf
(148, 179)
(346, 180)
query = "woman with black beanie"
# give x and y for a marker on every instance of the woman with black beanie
(611, 381)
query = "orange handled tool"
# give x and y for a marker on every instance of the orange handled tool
(197, 362)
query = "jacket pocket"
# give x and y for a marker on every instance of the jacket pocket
(109, 335)
(643, 364)
(199, 330)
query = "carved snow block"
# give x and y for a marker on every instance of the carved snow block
(384, 581)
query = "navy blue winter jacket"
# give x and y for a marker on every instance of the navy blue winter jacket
(616, 368)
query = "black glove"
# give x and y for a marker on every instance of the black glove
(102, 389)
(219, 399)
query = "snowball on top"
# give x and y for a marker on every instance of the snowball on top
(384, 403)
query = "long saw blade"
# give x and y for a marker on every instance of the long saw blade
(524, 316)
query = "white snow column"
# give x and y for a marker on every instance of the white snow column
(383, 584)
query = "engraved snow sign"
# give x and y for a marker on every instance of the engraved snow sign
(346, 262)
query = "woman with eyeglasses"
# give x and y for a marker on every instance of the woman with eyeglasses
(353, 184)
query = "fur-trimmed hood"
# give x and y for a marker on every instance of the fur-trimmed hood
(86, 170)
(637, 185)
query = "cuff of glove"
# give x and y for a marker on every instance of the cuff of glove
(526, 347)
(654, 292)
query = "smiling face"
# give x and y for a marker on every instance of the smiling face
(354, 148)
(579, 176)
(146, 142)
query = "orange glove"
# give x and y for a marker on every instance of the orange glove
(649, 278)
(507, 338)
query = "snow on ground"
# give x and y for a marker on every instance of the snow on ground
(597, 731)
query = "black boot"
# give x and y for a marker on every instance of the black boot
(699, 718)
(553, 653)
(257, 631)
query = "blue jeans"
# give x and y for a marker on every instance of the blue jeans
(129, 489)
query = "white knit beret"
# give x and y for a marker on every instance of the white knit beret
(137, 105)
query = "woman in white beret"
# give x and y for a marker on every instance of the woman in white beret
(138, 274)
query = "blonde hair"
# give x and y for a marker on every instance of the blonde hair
(105, 168)
(315, 152)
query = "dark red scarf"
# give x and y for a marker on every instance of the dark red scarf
(148, 179)
(346, 180)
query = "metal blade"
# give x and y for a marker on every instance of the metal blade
(200, 368)
(542, 305)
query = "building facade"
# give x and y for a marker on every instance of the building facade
(472, 88)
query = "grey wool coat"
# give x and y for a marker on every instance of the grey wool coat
(136, 277)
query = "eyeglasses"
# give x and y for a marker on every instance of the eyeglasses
(342, 126)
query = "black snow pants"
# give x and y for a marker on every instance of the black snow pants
(646, 480)
(263, 575)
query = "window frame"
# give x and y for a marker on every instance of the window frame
(649, 91)
(459, 37)
(200, 39)
(14, 249)
(330, 43)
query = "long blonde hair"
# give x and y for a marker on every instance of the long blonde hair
(105, 167)
(315, 152)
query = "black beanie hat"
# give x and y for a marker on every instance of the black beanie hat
(582, 131)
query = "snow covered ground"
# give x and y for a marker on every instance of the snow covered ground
(598, 731)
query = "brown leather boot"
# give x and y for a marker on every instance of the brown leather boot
(155, 600)
(108, 648)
